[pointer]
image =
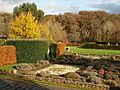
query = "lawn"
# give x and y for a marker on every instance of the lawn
(7, 67)
(77, 49)
(2, 41)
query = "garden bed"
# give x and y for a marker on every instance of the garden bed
(80, 70)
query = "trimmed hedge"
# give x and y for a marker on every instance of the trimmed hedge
(53, 50)
(7, 55)
(2, 41)
(56, 49)
(29, 51)
(91, 46)
(97, 46)
(61, 48)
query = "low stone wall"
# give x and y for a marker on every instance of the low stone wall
(67, 81)
(7, 55)
(113, 57)
(32, 66)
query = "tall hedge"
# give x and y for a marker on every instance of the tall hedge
(7, 55)
(29, 51)
(53, 50)
(102, 46)
(61, 47)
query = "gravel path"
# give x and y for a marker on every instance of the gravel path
(7, 84)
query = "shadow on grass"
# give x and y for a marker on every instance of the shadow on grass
(13, 84)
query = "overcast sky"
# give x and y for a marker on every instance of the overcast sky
(63, 6)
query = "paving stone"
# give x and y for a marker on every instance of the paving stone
(20, 87)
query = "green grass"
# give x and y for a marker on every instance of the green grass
(77, 49)
(7, 67)
(60, 85)
(2, 41)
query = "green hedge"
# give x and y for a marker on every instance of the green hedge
(2, 41)
(91, 46)
(97, 46)
(29, 51)
(53, 51)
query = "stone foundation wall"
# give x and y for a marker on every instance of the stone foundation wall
(7, 55)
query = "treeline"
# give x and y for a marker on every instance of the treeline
(87, 26)
(5, 19)
(27, 21)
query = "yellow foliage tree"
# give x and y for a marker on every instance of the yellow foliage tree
(56, 31)
(25, 26)
(45, 34)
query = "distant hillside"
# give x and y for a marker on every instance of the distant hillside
(89, 26)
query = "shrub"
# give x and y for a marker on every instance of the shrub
(90, 46)
(29, 51)
(108, 76)
(53, 50)
(7, 55)
(72, 75)
(2, 41)
(60, 48)
(97, 46)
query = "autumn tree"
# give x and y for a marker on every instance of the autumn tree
(29, 7)
(56, 31)
(5, 18)
(25, 26)
(89, 26)
(45, 33)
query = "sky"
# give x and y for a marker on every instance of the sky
(64, 6)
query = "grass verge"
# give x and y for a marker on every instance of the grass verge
(77, 49)
(7, 67)
(2, 41)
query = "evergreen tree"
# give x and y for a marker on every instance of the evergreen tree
(26, 7)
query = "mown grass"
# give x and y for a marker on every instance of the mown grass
(7, 67)
(77, 49)
(2, 41)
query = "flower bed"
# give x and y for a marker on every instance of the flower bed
(86, 72)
